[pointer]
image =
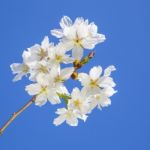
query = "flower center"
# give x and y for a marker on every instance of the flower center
(43, 69)
(97, 97)
(25, 68)
(77, 103)
(58, 58)
(43, 90)
(78, 42)
(42, 54)
(59, 79)
(93, 83)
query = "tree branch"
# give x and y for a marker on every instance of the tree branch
(16, 114)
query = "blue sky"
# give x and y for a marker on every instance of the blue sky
(125, 125)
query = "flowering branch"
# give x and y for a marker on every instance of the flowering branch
(62, 96)
(43, 63)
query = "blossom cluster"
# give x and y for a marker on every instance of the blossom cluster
(44, 65)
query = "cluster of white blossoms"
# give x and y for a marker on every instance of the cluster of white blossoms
(42, 63)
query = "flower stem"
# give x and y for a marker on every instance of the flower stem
(16, 114)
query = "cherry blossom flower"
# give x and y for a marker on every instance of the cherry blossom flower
(78, 35)
(79, 101)
(20, 69)
(68, 115)
(43, 91)
(94, 82)
(57, 55)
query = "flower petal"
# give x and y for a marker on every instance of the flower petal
(41, 100)
(65, 22)
(33, 89)
(76, 94)
(108, 70)
(66, 73)
(57, 33)
(77, 53)
(84, 79)
(59, 120)
(95, 72)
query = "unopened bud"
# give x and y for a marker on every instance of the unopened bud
(91, 55)
(74, 75)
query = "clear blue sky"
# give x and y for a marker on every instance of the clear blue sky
(125, 125)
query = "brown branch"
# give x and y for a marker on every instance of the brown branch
(16, 114)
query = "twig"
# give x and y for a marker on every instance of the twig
(15, 114)
(80, 64)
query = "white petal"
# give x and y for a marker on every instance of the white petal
(43, 79)
(66, 73)
(57, 33)
(16, 67)
(53, 97)
(45, 42)
(79, 20)
(55, 71)
(67, 59)
(26, 56)
(62, 90)
(70, 33)
(84, 79)
(89, 43)
(69, 44)
(102, 100)
(100, 38)
(61, 111)
(72, 121)
(106, 82)
(91, 90)
(108, 70)
(95, 72)
(33, 89)
(65, 22)
(82, 31)
(41, 100)
(109, 91)
(18, 77)
(76, 94)
(59, 120)
(77, 53)
(93, 29)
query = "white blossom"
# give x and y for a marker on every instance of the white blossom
(38, 52)
(43, 91)
(78, 35)
(95, 81)
(79, 101)
(101, 99)
(39, 68)
(48, 66)
(20, 69)
(69, 115)
(58, 55)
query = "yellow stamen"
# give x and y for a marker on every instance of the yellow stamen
(25, 68)
(77, 103)
(42, 54)
(93, 83)
(43, 69)
(58, 58)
